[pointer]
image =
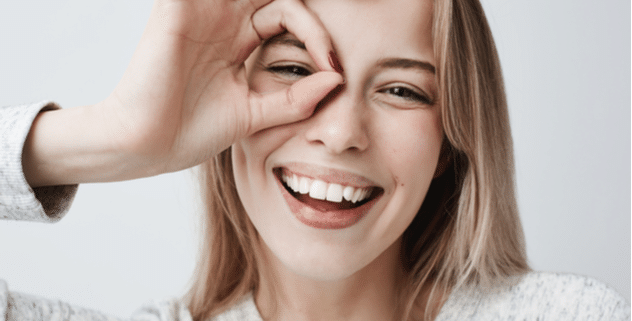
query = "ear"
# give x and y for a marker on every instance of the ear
(444, 159)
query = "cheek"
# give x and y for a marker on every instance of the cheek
(249, 158)
(252, 171)
(410, 146)
(252, 179)
(412, 143)
(257, 147)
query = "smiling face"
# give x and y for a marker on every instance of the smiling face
(328, 195)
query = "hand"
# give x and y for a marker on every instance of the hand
(184, 97)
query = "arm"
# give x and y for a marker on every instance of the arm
(184, 96)
(76, 145)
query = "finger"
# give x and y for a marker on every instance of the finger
(259, 3)
(293, 16)
(294, 104)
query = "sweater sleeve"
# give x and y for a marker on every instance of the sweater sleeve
(21, 307)
(18, 201)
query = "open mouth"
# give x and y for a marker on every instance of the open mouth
(323, 196)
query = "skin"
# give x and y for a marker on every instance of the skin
(188, 93)
(371, 127)
(184, 96)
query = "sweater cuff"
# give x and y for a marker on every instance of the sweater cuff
(18, 201)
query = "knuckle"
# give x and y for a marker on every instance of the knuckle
(255, 116)
(290, 97)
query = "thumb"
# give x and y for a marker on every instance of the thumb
(294, 104)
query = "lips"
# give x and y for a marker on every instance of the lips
(330, 200)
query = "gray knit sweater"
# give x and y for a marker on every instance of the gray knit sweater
(534, 296)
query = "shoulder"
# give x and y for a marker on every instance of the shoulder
(570, 296)
(540, 295)
(244, 310)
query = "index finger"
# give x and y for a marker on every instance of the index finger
(292, 15)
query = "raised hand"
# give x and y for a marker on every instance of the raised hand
(184, 97)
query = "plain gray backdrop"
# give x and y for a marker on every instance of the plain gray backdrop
(567, 71)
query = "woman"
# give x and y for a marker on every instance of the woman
(281, 227)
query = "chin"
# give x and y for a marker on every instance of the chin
(336, 265)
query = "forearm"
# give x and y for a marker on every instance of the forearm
(184, 97)
(76, 145)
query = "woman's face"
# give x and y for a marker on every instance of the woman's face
(331, 193)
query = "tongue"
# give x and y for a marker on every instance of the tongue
(325, 206)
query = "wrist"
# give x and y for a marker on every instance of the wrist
(71, 146)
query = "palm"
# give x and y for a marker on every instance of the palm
(185, 96)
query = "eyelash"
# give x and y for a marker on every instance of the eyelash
(296, 71)
(407, 94)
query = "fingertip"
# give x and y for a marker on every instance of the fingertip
(326, 80)
(324, 56)
(334, 76)
(335, 62)
(315, 87)
(341, 80)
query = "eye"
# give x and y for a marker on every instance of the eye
(407, 94)
(292, 71)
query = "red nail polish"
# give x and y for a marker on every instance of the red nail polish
(334, 62)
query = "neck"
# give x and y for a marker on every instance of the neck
(369, 294)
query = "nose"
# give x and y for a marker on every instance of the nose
(339, 124)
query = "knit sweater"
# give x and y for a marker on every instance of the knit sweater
(534, 296)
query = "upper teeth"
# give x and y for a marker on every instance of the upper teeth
(321, 190)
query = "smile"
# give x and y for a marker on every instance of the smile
(326, 204)
(321, 190)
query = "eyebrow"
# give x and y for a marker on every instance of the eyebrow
(284, 39)
(403, 63)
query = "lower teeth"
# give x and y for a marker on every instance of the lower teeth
(324, 204)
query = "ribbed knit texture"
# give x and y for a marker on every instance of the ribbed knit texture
(17, 200)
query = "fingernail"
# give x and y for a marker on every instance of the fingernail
(334, 62)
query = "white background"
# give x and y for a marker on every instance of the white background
(567, 72)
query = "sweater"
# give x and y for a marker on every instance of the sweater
(533, 296)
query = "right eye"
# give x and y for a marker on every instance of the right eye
(291, 71)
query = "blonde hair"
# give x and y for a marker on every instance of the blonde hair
(467, 231)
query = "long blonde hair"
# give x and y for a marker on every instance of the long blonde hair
(467, 231)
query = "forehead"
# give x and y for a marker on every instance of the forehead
(381, 28)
